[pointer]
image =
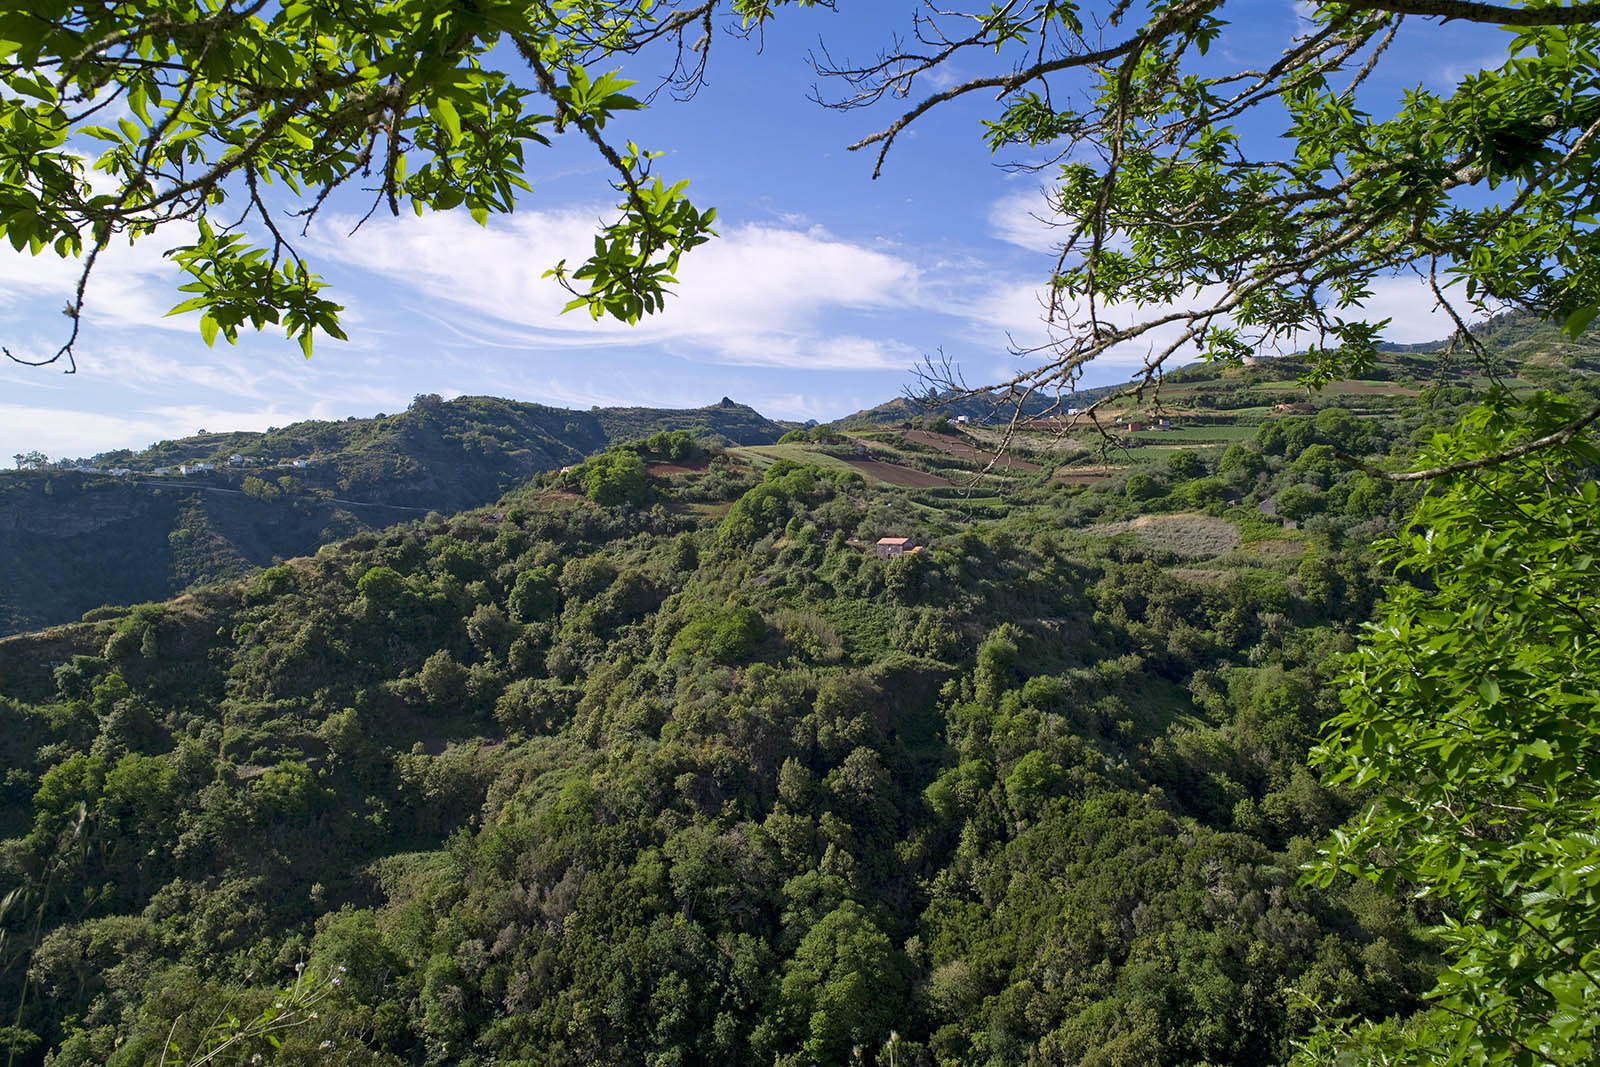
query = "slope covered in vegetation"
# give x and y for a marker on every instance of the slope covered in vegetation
(155, 531)
(693, 776)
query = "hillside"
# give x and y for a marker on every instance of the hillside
(659, 759)
(154, 531)
(1524, 351)
(700, 778)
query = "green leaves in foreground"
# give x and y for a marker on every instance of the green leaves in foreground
(236, 283)
(246, 124)
(1473, 712)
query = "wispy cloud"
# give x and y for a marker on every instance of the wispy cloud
(1411, 307)
(1025, 219)
(760, 295)
(131, 286)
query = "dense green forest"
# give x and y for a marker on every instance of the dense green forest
(656, 761)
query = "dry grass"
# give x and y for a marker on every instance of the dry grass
(1276, 549)
(1192, 536)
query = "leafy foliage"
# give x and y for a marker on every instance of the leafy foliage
(1470, 712)
(224, 101)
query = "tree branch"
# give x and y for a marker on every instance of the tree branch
(1559, 437)
(1494, 14)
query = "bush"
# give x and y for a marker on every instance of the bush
(616, 478)
(728, 636)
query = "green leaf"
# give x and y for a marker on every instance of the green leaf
(444, 112)
(1579, 320)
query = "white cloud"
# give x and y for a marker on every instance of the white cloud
(71, 434)
(1022, 219)
(75, 434)
(130, 286)
(1412, 308)
(759, 295)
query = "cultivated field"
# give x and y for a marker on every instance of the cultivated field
(969, 452)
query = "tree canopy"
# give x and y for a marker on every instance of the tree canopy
(1182, 234)
(223, 99)
(1178, 232)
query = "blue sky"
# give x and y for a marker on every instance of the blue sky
(823, 292)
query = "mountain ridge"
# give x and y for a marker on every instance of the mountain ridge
(153, 530)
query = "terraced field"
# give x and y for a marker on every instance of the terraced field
(875, 471)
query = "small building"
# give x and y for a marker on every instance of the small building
(301, 463)
(890, 547)
(235, 460)
(961, 420)
(161, 471)
(196, 468)
(1135, 426)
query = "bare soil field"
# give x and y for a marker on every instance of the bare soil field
(895, 474)
(971, 453)
(693, 466)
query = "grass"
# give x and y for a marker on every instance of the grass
(1195, 434)
(765, 455)
(1163, 452)
(1190, 536)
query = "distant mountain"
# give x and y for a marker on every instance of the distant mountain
(1533, 350)
(249, 498)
